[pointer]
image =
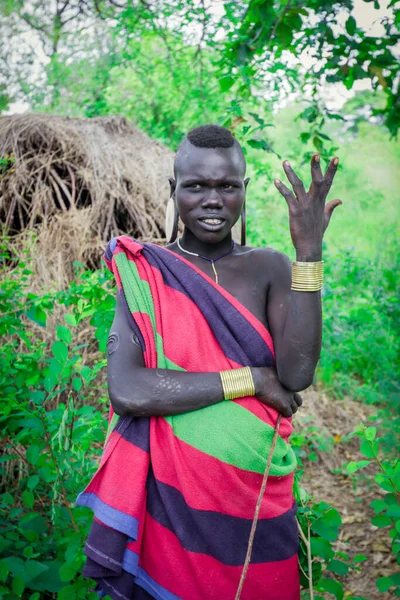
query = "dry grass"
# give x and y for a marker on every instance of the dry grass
(78, 183)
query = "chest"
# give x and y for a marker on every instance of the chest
(244, 280)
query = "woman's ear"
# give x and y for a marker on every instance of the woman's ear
(246, 181)
(172, 186)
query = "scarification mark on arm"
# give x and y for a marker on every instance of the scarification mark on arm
(168, 387)
(112, 343)
(135, 340)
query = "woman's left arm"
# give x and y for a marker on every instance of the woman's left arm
(295, 316)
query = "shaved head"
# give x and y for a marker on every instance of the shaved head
(208, 136)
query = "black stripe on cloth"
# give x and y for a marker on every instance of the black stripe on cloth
(221, 536)
(135, 430)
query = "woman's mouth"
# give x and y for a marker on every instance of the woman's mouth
(212, 223)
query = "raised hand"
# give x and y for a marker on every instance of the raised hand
(309, 215)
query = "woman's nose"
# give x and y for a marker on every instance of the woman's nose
(213, 198)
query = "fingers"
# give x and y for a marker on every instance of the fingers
(330, 173)
(291, 405)
(295, 181)
(317, 179)
(329, 208)
(286, 193)
(298, 399)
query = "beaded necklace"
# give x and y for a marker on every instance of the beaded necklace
(211, 260)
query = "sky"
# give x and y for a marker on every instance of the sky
(335, 95)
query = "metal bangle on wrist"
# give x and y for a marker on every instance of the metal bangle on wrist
(237, 383)
(307, 276)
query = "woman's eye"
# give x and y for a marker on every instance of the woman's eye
(228, 187)
(195, 186)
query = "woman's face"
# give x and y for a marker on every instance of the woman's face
(210, 191)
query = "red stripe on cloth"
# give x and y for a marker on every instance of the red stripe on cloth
(122, 485)
(209, 484)
(177, 331)
(258, 326)
(193, 576)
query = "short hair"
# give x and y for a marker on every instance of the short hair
(209, 136)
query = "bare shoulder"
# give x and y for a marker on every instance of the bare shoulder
(270, 260)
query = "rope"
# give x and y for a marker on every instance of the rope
(257, 511)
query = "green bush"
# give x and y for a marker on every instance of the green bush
(53, 417)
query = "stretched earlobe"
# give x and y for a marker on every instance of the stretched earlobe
(243, 224)
(172, 185)
(171, 221)
(246, 181)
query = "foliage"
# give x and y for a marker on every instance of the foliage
(214, 57)
(386, 508)
(53, 422)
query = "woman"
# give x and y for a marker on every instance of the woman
(210, 344)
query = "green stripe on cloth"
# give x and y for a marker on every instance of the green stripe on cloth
(114, 420)
(139, 298)
(235, 436)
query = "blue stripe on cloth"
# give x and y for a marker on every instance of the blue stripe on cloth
(154, 588)
(126, 587)
(108, 515)
(240, 342)
(130, 562)
(275, 539)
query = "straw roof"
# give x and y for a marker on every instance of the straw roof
(77, 183)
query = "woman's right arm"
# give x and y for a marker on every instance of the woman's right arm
(139, 391)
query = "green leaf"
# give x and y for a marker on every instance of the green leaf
(226, 82)
(68, 571)
(384, 483)
(260, 145)
(33, 569)
(333, 587)
(48, 581)
(35, 596)
(70, 319)
(4, 570)
(370, 433)
(367, 449)
(384, 584)
(86, 373)
(352, 467)
(32, 454)
(18, 586)
(28, 498)
(378, 505)
(381, 521)
(337, 566)
(15, 565)
(322, 548)
(60, 351)
(64, 334)
(325, 531)
(351, 25)
(360, 558)
(393, 510)
(37, 315)
(77, 384)
(33, 481)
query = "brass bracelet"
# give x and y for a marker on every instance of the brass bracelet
(307, 276)
(237, 383)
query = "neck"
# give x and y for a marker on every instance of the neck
(193, 244)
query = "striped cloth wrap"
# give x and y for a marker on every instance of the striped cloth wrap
(174, 497)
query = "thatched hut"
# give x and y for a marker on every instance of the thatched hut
(77, 183)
